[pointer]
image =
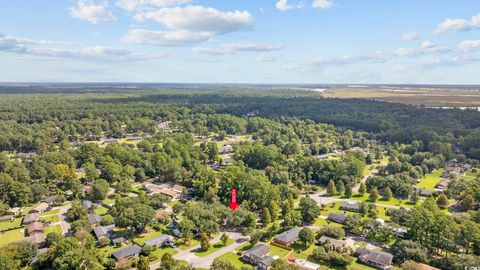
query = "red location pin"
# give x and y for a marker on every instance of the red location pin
(233, 202)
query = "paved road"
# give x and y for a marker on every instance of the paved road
(63, 219)
(326, 200)
(205, 262)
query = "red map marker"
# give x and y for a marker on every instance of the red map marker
(233, 202)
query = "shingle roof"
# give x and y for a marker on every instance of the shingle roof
(87, 204)
(350, 206)
(127, 252)
(102, 231)
(92, 219)
(337, 216)
(35, 227)
(31, 217)
(158, 240)
(377, 256)
(288, 236)
(334, 242)
(258, 250)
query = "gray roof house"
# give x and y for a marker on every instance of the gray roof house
(30, 218)
(337, 244)
(94, 219)
(258, 256)
(378, 259)
(161, 241)
(353, 207)
(104, 231)
(337, 217)
(87, 204)
(288, 237)
(128, 252)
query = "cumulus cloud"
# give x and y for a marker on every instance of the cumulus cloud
(458, 25)
(55, 49)
(133, 5)
(284, 5)
(89, 11)
(322, 4)
(410, 36)
(426, 47)
(267, 58)
(188, 25)
(232, 48)
(469, 46)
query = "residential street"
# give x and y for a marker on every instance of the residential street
(63, 219)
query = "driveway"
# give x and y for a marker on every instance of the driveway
(63, 219)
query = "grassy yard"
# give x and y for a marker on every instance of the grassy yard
(277, 251)
(8, 237)
(54, 228)
(392, 202)
(162, 251)
(16, 223)
(323, 222)
(51, 212)
(50, 218)
(100, 210)
(303, 254)
(140, 240)
(215, 247)
(193, 242)
(431, 179)
(234, 259)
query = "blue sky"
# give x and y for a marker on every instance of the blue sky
(241, 41)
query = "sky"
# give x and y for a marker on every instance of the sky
(241, 41)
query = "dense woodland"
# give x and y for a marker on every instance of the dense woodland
(276, 170)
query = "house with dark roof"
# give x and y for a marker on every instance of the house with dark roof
(288, 237)
(337, 244)
(376, 258)
(258, 256)
(424, 192)
(29, 218)
(337, 217)
(443, 184)
(50, 199)
(126, 253)
(87, 204)
(104, 231)
(352, 207)
(36, 238)
(8, 218)
(40, 208)
(160, 241)
(94, 219)
(35, 227)
(15, 211)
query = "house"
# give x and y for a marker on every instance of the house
(40, 251)
(94, 219)
(118, 240)
(376, 258)
(126, 253)
(35, 227)
(8, 218)
(30, 218)
(323, 156)
(134, 137)
(161, 241)
(169, 192)
(424, 192)
(337, 244)
(40, 208)
(87, 204)
(104, 231)
(29, 155)
(353, 207)
(15, 211)
(36, 238)
(288, 237)
(258, 256)
(110, 140)
(337, 217)
(50, 199)
(228, 148)
(304, 265)
(442, 184)
(178, 188)
(164, 125)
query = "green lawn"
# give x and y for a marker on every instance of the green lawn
(162, 251)
(392, 202)
(49, 213)
(100, 210)
(234, 259)
(51, 218)
(303, 254)
(431, 179)
(54, 228)
(277, 251)
(215, 247)
(140, 240)
(193, 242)
(323, 222)
(16, 223)
(8, 237)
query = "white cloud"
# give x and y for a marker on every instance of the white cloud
(458, 25)
(426, 47)
(267, 58)
(188, 25)
(283, 5)
(410, 36)
(232, 48)
(427, 44)
(89, 11)
(322, 4)
(55, 49)
(469, 45)
(133, 5)
(375, 57)
(165, 38)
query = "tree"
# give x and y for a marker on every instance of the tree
(467, 203)
(306, 236)
(348, 190)
(100, 189)
(255, 236)
(167, 262)
(411, 265)
(52, 239)
(222, 264)
(331, 189)
(266, 218)
(340, 187)
(373, 197)
(388, 194)
(331, 231)
(211, 149)
(143, 263)
(363, 189)
(124, 186)
(442, 201)
(309, 209)
(224, 238)
(414, 198)
(205, 242)
(408, 250)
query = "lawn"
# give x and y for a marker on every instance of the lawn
(8, 237)
(50, 218)
(392, 202)
(215, 247)
(51, 212)
(323, 222)
(278, 251)
(54, 228)
(193, 242)
(144, 237)
(159, 252)
(431, 179)
(234, 259)
(303, 254)
(16, 223)
(100, 210)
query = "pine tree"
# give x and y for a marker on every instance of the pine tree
(363, 189)
(414, 198)
(348, 190)
(143, 263)
(340, 188)
(224, 239)
(442, 201)
(373, 195)
(266, 217)
(331, 189)
(388, 194)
